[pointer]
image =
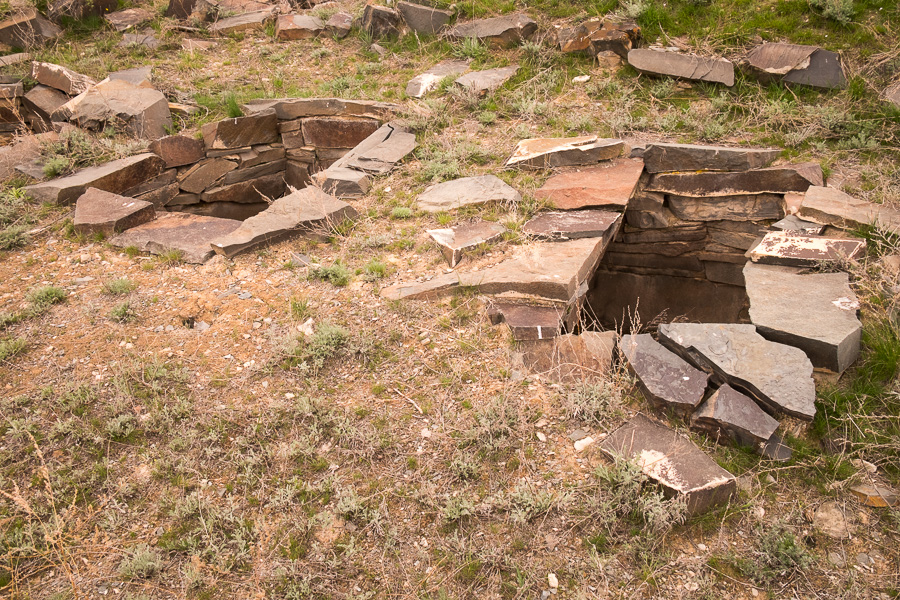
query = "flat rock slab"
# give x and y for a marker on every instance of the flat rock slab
(61, 78)
(830, 520)
(178, 150)
(456, 240)
(288, 109)
(240, 132)
(665, 379)
(466, 191)
(793, 63)
(659, 158)
(776, 375)
(247, 21)
(798, 225)
(544, 153)
(381, 21)
(673, 461)
(337, 132)
(298, 27)
(482, 82)
(875, 495)
(424, 20)
(735, 416)
(745, 207)
(421, 84)
(774, 180)
(551, 270)
(507, 30)
(205, 173)
(831, 206)
(103, 212)
(28, 29)
(797, 250)
(382, 151)
(116, 177)
(189, 234)
(528, 321)
(682, 66)
(574, 224)
(606, 186)
(261, 189)
(815, 312)
(125, 19)
(309, 211)
(571, 358)
(42, 100)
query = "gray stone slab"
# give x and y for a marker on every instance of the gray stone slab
(498, 31)
(774, 180)
(797, 250)
(455, 241)
(776, 375)
(245, 22)
(288, 109)
(665, 379)
(831, 206)
(792, 63)
(673, 461)
(482, 82)
(796, 224)
(544, 153)
(733, 415)
(421, 84)
(661, 157)
(466, 191)
(103, 212)
(682, 66)
(815, 312)
(189, 234)
(574, 224)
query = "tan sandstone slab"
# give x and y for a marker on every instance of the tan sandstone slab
(608, 186)
(189, 234)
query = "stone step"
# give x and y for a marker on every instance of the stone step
(773, 180)
(574, 224)
(662, 157)
(116, 176)
(97, 211)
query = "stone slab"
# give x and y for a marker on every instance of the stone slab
(609, 186)
(797, 250)
(682, 66)
(816, 312)
(673, 461)
(528, 321)
(497, 31)
(792, 63)
(662, 157)
(381, 21)
(128, 18)
(103, 212)
(337, 132)
(424, 20)
(189, 234)
(178, 150)
(733, 415)
(261, 189)
(545, 153)
(455, 241)
(61, 78)
(298, 27)
(571, 358)
(205, 173)
(774, 180)
(798, 225)
(831, 206)
(339, 25)
(597, 36)
(748, 207)
(665, 379)
(42, 100)
(142, 110)
(777, 376)
(574, 224)
(27, 29)
(241, 132)
(254, 172)
(425, 82)
(482, 82)
(343, 182)
(116, 176)
(466, 191)
(287, 109)
(255, 20)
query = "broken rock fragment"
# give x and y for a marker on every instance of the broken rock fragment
(776, 375)
(792, 63)
(60, 78)
(773, 180)
(665, 379)
(609, 186)
(574, 224)
(875, 495)
(661, 157)
(497, 31)
(298, 27)
(682, 66)
(339, 25)
(424, 20)
(831, 206)
(143, 111)
(596, 36)
(466, 191)
(128, 18)
(544, 153)
(381, 21)
(734, 416)
(673, 461)
(28, 29)
(420, 85)
(795, 224)
(343, 182)
(103, 212)
(482, 82)
(456, 240)
(798, 250)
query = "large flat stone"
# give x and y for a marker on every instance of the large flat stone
(305, 212)
(260, 189)
(482, 82)
(776, 375)
(255, 20)
(528, 321)
(421, 84)
(61, 78)
(673, 461)
(380, 152)
(660, 157)
(665, 379)
(682, 66)
(815, 312)
(269, 168)
(498, 31)
(466, 191)
(298, 27)
(606, 186)
(831, 206)
(792, 63)
(747, 207)
(178, 150)
(456, 240)
(424, 20)
(104, 212)
(116, 177)
(241, 132)
(189, 234)
(774, 180)
(797, 250)
(574, 224)
(544, 153)
(732, 415)
(571, 358)
(295, 108)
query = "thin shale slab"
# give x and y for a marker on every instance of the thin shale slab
(662, 157)
(665, 379)
(574, 224)
(545, 153)
(608, 186)
(189, 234)
(796, 250)
(736, 417)
(454, 241)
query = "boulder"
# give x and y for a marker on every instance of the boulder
(774, 180)
(667, 381)
(339, 25)
(309, 211)
(831, 206)
(660, 157)
(673, 461)
(731, 415)
(745, 207)
(178, 150)
(188, 234)
(144, 112)
(240, 132)
(456, 240)
(776, 375)
(298, 27)
(797, 250)
(599, 35)
(337, 132)
(482, 82)
(381, 21)
(508, 30)
(255, 20)
(792, 63)
(97, 211)
(424, 20)
(116, 177)
(544, 153)
(574, 224)
(60, 78)
(609, 186)
(205, 173)
(528, 321)
(571, 358)
(682, 66)
(27, 29)
(466, 191)
(815, 312)
(128, 18)
(287, 109)
(420, 85)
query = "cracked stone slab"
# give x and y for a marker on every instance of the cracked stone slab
(571, 358)
(745, 207)
(551, 270)
(116, 176)
(776, 375)
(189, 234)
(735, 416)
(309, 211)
(104, 212)
(660, 157)
(793, 63)
(455, 241)
(831, 206)
(773, 180)
(574, 224)
(528, 321)
(544, 153)
(425, 82)
(682, 66)
(665, 379)
(815, 312)
(673, 461)
(482, 82)
(608, 186)
(797, 250)
(497, 31)
(466, 191)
